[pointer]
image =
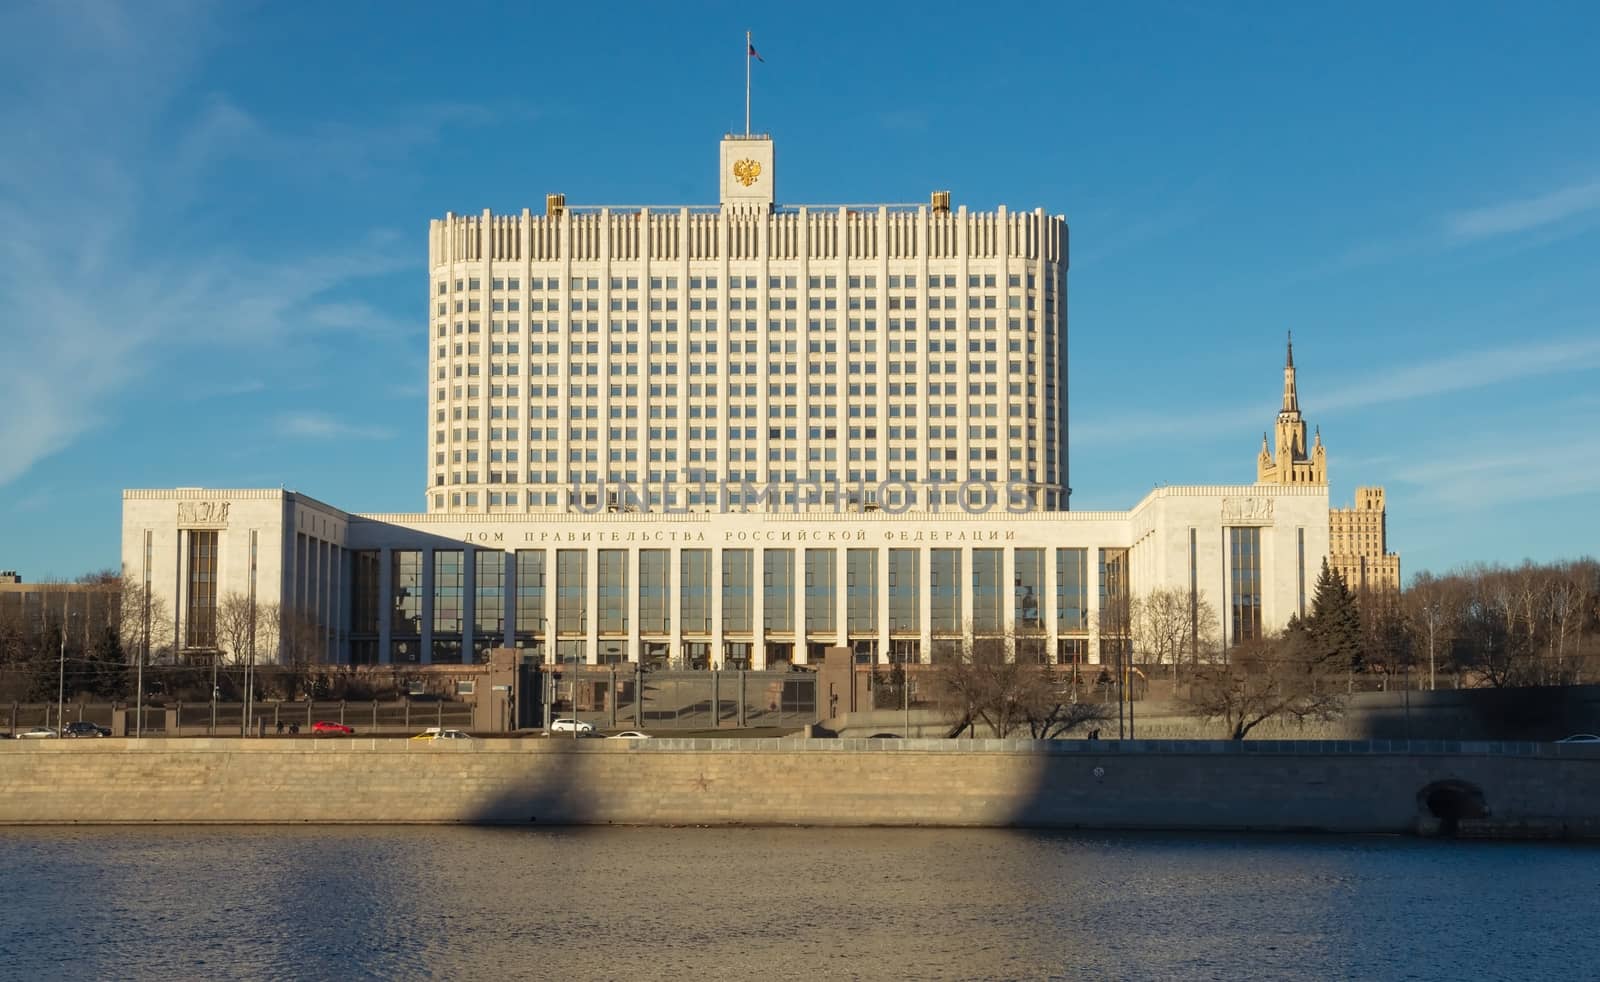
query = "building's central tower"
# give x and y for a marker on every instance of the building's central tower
(747, 356)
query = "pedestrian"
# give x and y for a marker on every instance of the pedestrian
(280, 727)
(1094, 734)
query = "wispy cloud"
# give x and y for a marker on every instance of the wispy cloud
(1503, 470)
(1513, 226)
(1465, 370)
(1524, 214)
(1454, 372)
(107, 268)
(321, 426)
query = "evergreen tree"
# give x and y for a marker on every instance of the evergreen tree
(1334, 627)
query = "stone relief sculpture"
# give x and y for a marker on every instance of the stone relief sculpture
(1237, 510)
(202, 513)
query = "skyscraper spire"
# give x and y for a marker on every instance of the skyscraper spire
(1291, 460)
(1291, 400)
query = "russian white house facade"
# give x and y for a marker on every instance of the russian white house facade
(733, 436)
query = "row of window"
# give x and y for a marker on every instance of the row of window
(695, 325)
(509, 590)
(856, 282)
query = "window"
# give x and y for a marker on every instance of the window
(405, 602)
(572, 605)
(1244, 574)
(364, 605)
(820, 577)
(986, 609)
(905, 593)
(1072, 590)
(489, 597)
(613, 593)
(530, 595)
(202, 620)
(448, 583)
(861, 590)
(738, 580)
(694, 583)
(1115, 615)
(777, 602)
(944, 572)
(655, 611)
(1028, 587)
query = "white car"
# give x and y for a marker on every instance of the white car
(631, 735)
(567, 725)
(37, 733)
(1580, 738)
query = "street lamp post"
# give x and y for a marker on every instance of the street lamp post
(61, 681)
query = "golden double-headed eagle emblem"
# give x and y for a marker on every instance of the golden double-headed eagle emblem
(746, 171)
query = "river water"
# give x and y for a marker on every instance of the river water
(463, 903)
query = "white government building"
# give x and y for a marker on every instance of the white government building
(734, 436)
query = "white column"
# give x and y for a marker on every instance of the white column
(925, 604)
(1048, 604)
(717, 559)
(549, 605)
(634, 585)
(882, 588)
(758, 608)
(841, 594)
(675, 604)
(797, 600)
(1008, 599)
(1091, 574)
(591, 605)
(964, 586)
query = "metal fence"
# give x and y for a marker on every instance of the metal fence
(681, 700)
(227, 718)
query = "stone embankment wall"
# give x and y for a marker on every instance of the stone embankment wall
(1538, 789)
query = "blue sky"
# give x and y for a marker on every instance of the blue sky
(213, 227)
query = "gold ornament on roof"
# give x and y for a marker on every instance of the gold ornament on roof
(746, 171)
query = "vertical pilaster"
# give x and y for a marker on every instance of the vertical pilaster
(591, 603)
(385, 606)
(426, 654)
(758, 608)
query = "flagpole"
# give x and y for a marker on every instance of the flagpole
(748, 44)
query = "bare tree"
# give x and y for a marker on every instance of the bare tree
(1172, 627)
(1430, 606)
(998, 682)
(1269, 678)
(144, 622)
(237, 620)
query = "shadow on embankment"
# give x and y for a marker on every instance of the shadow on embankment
(545, 785)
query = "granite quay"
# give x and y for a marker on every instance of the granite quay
(1467, 788)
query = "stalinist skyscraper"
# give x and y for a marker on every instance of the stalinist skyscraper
(1357, 536)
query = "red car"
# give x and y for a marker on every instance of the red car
(325, 726)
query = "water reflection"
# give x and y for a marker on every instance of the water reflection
(785, 903)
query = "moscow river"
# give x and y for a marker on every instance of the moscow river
(464, 903)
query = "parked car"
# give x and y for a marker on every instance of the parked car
(434, 733)
(84, 728)
(570, 726)
(631, 735)
(327, 726)
(1580, 738)
(37, 733)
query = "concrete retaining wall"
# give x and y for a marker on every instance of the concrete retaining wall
(1538, 789)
